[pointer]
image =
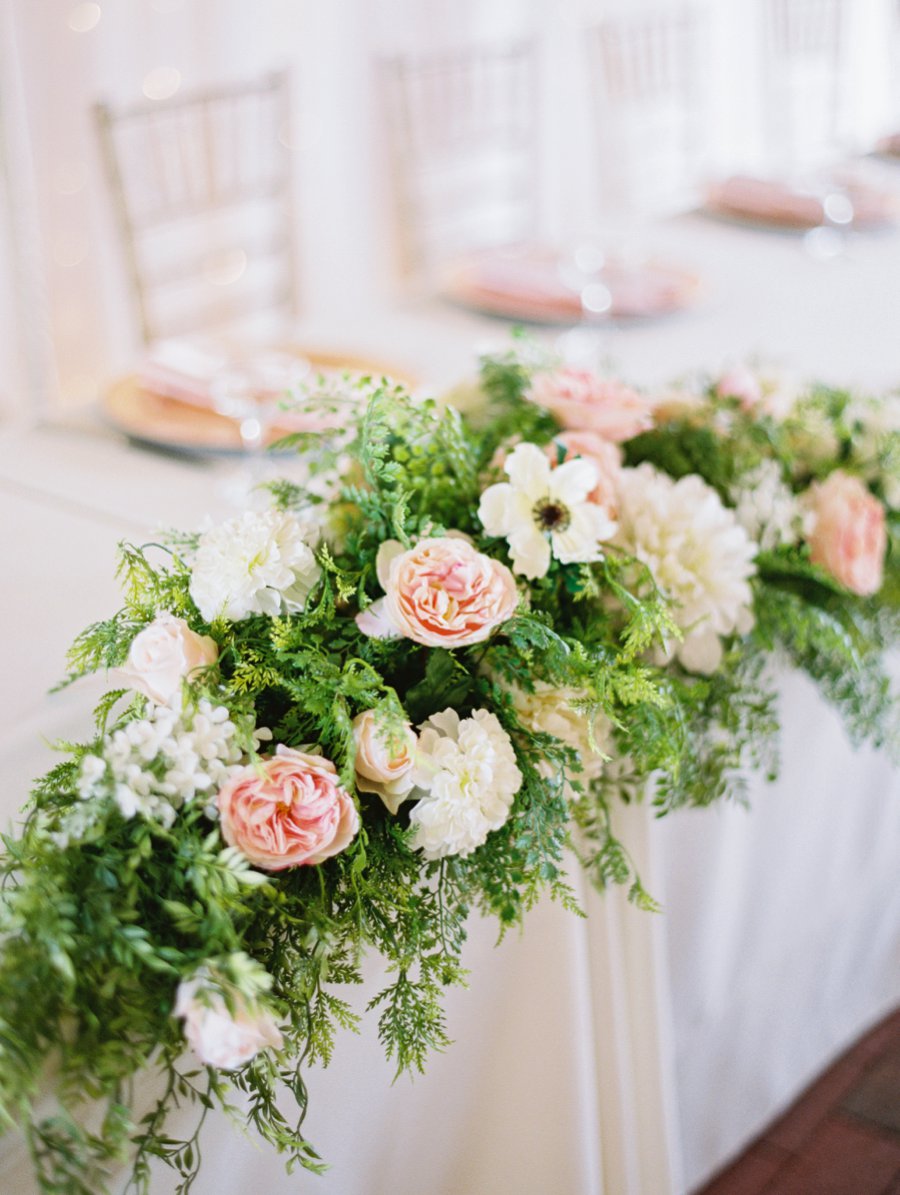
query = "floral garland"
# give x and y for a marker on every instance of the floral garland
(399, 694)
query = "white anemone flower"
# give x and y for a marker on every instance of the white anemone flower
(543, 511)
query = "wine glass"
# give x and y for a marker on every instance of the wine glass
(250, 391)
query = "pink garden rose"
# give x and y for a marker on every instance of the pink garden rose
(219, 1037)
(162, 655)
(441, 593)
(581, 401)
(601, 452)
(773, 393)
(741, 383)
(291, 812)
(379, 768)
(849, 536)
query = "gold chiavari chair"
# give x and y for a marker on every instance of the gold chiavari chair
(462, 135)
(803, 49)
(650, 107)
(202, 192)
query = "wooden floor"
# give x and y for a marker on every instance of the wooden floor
(841, 1137)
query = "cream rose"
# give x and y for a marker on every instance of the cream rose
(552, 710)
(219, 1037)
(162, 655)
(383, 767)
(441, 593)
(849, 536)
(581, 401)
(290, 811)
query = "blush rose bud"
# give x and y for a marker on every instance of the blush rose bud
(383, 767)
(163, 655)
(223, 1038)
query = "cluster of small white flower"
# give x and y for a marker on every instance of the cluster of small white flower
(154, 765)
(468, 767)
(766, 507)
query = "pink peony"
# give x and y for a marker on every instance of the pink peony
(606, 456)
(165, 653)
(441, 593)
(849, 536)
(581, 401)
(292, 811)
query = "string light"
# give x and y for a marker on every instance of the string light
(83, 17)
(161, 82)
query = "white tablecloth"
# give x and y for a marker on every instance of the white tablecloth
(626, 1054)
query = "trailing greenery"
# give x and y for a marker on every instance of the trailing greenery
(110, 906)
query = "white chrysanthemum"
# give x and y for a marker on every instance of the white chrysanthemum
(767, 509)
(154, 765)
(699, 554)
(259, 563)
(468, 768)
(551, 710)
(542, 510)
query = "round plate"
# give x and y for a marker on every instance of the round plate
(179, 426)
(530, 285)
(770, 203)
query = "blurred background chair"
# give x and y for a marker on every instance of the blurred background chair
(202, 190)
(462, 133)
(804, 47)
(649, 111)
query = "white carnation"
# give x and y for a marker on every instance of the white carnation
(767, 509)
(259, 563)
(698, 553)
(468, 768)
(551, 710)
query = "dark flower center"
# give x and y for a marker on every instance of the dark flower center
(551, 516)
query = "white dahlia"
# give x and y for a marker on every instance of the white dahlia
(698, 553)
(468, 768)
(543, 510)
(259, 563)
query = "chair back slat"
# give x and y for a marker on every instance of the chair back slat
(202, 188)
(462, 134)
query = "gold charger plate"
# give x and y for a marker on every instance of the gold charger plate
(178, 426)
